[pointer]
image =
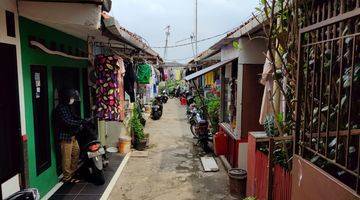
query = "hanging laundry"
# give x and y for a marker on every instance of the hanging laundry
(121, 75)
(144, 74)
(129, 80)
(107, 88)
(209, 78)
(178, 74)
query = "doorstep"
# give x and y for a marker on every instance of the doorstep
(89, 191)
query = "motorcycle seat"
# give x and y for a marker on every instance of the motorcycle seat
(202, 121)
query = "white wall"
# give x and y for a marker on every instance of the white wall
(12, 185)
(228, 52)
(252, 51)
(10, 5)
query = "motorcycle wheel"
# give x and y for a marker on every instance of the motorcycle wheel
(205, 146)
(98, 176)
(193, 131)
(155, 116)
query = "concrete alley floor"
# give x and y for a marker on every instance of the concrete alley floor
(173, 170)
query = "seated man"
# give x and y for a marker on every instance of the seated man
(67, 125)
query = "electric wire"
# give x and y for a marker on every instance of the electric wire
(190, 43)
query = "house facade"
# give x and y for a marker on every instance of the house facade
(44, 75)
(241, 63)
(59, 49)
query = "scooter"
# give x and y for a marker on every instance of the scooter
(156, 108)
(164, 97)
(191, 112)
(25, 194)
(177, 92)
(199, 127)
(91, 154)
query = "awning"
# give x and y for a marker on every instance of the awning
(125, 36)
(208, 69)
(76, 19)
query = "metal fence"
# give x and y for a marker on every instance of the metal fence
(328, 89)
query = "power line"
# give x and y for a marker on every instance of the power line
(190, 43)
(180, 59)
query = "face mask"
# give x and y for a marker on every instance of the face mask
(72, 100)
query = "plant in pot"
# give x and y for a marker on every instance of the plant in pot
(140, 140)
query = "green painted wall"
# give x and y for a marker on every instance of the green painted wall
(34, 56)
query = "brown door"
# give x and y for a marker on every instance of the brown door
(251, 99)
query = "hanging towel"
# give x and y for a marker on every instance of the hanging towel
(144, 74)
(267, 81)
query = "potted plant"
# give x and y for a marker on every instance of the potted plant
(140, 139)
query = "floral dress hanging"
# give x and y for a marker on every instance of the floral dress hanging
(107, 88)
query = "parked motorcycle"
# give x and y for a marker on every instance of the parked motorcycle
(156, 108)
(199, 127)
(26, 194)
(91, 153)
(164, 97)
(177, 92)
(191, 112)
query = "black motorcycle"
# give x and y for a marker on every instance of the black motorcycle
(156, 108)
(199, 127)
(91, 154)
(164, 97)
(177, 92)
(25, 194)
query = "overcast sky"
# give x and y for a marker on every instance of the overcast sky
(148, 18)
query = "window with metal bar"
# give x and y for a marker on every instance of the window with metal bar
(328, 122)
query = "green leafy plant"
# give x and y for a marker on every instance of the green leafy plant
(136, 126)
(250, 198)
(213, 108)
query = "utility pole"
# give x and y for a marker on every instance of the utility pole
(196, 27)
(167, 34)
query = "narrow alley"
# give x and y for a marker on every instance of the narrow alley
(172, 169)
(180, 100)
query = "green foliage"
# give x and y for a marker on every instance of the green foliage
(270, 124)
(198, 102)
(135, 123)
(172, 84)
(213, 109)
(212, 105)
(347, 76)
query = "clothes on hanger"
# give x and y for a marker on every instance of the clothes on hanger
(144, 73)
(108, 100)
(129, 80)
(121, 75)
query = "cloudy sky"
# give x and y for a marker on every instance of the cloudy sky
(148, 18)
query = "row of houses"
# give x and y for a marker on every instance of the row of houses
(324, 140)
(46, 46)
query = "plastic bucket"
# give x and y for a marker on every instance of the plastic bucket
(237, 182)
(124, 145)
